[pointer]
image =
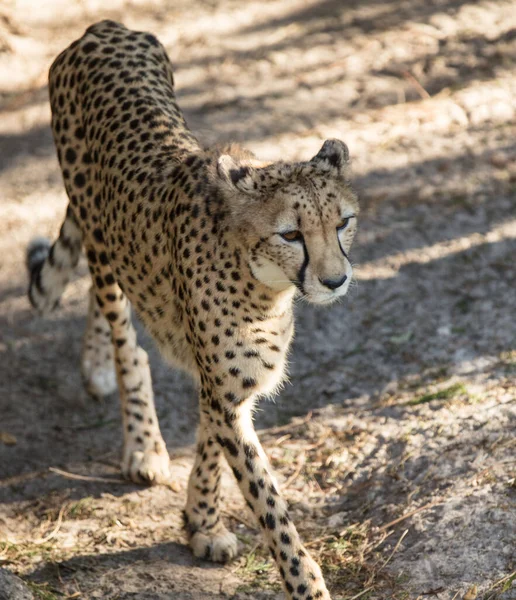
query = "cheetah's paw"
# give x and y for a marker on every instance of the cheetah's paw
(220, 546)
(149, 466)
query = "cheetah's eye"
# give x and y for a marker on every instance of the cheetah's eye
(343, 224)
(292, 236)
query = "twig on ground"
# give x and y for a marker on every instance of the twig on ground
(420, 89)
(281, 428)
(410, 514)
(17, 479)
(85, 477)
(398, 543)
(360, 593)
(321, 539)
(282, 439)
(56, 529)
(318, 443)
(239, 519)
(378, 543)
(497, 583)
(295, 474)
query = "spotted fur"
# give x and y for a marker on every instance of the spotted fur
(209, 247)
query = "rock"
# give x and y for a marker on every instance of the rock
(499, 160)
(338, 519)
(472, 593)
(12, 587)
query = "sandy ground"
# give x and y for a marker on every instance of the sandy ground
(395, 441)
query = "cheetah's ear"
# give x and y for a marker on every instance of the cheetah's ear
(238, 176)
(333, 156)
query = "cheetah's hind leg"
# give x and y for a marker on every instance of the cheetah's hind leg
(145, 458)
(209, 538)
(97, 359)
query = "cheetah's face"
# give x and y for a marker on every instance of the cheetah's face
(298, 221)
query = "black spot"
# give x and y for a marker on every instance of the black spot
(89, 47)
(238, 174)
(285, 538)
(71, 156)
(232, 449)
(151, 39)
(270, 521)
(250, 451)
(253, 489)
(97, 234)
(248, 382)
(79, 180)
(231, 397)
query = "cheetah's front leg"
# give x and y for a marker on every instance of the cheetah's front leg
(233, 429)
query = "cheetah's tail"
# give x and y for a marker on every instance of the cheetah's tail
(50, 266)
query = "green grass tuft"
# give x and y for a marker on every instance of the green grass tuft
(457, 389)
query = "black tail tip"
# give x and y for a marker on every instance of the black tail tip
(37, 252)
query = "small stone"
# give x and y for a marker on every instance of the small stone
(7, 438)
(444, 331)
(499, 160)
(337, 520)
(472, 593)
(391, 388)
(426, 192)
(12, 587)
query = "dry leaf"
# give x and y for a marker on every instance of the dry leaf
(471, 594)
(7, 438)
(175, 486)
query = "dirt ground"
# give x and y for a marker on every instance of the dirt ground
(395, 441)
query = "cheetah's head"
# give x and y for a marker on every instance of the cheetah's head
(297, 220)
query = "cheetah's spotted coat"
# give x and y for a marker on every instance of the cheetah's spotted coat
(210, 247)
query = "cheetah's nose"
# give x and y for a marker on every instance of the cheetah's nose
(333, 284)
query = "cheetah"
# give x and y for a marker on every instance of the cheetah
(210, 247)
